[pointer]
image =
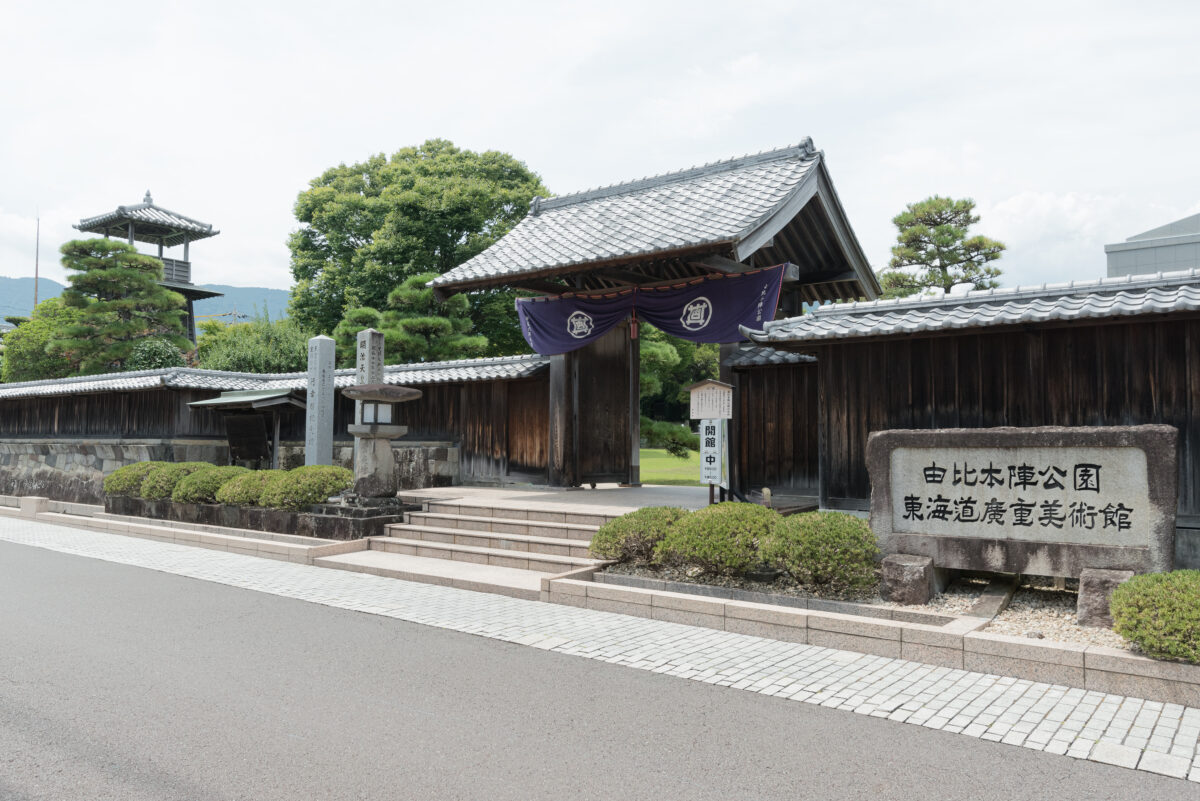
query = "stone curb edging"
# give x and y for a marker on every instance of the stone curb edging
(284, 548)
(961, 644)
(772, 599)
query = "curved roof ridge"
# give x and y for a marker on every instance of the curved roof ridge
(1005, 294)
(803, 148)
(171, 375)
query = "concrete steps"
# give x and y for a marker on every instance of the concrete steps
(463, 575)
(497, 557)
(502, 550)
(555, 546)
(503, 525)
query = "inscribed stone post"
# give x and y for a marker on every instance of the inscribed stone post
(318, 421)
(369, 364)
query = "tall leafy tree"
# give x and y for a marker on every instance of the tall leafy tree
(416, 326)
(118, 292)
(933, 249)
(669, 365)
(28, 354)
(368, 226)
(261, 345)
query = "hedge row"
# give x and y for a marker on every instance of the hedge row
(200, 482)
(830, 553)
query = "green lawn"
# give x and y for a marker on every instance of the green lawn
(660, 467)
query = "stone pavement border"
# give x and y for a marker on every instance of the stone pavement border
(1130, 732)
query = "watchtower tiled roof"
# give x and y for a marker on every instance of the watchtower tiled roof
(151, 223)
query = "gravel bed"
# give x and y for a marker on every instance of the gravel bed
(1041, 610)
(954, 600)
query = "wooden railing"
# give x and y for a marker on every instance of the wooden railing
(177, 271)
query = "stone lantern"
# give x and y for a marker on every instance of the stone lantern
(373, 430)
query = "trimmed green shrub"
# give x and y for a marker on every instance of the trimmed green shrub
(304, 486)
(202, 486)
(828, 552)
(722, 539)
(127, 480)
(1160, 612)
(632, 537)
(246, 489)
(160, 482)
(678, 440)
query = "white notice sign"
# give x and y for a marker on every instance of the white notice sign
(712, 452)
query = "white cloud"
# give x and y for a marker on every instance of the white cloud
(1070, 124)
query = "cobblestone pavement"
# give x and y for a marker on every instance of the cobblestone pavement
(1117, 730)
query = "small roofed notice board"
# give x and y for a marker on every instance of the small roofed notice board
(1038, 501)
(710, 400)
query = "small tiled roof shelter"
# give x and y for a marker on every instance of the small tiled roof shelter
(1118, 351)
(726, 217)
(146, 222)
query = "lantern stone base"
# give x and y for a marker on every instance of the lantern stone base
(374, 465)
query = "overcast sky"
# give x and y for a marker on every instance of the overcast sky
(1071, 124)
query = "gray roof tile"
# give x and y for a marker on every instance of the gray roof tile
(462, 371)
(752, 356)
(720, 202)
(1125, 296)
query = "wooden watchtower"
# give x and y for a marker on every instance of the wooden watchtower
(146, 222)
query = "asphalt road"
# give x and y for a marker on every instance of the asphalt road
(122, 683)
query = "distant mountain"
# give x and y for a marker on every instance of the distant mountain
(248, 300)
(16, 299)
(16, 295)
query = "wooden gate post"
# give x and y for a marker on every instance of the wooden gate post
(563, 462)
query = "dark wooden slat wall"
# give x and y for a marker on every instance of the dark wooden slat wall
(144, 414)
(776, 416)
(1124, 374)
(492, 420)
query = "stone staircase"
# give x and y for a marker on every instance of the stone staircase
(500, 549)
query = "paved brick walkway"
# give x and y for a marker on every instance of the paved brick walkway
(1130, 732)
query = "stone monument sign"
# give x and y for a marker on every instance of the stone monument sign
(1039, 501)
(318, 420)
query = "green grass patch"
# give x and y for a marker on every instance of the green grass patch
(660, 467)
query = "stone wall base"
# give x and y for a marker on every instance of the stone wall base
(73, 470)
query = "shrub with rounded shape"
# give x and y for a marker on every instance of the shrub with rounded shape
(127, 480)
(202, 486)
(246, 489)
(722, 539)
(302, 487)
(632, 537)
(1160, 612)
(160, 482)
(831, 553)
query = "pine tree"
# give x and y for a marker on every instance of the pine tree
(933, 250)
(416, 327)
(117, 290)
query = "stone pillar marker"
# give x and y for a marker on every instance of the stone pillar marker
(318, 420)
(369, 370)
